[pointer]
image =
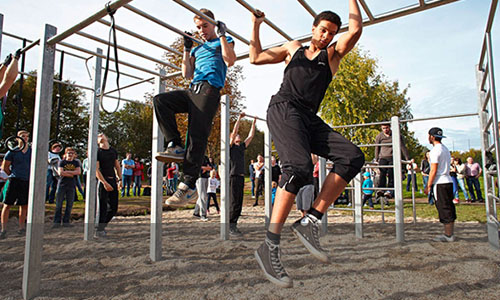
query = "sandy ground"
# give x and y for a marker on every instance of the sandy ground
(198, 265)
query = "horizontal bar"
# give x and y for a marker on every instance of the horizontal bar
(488, 124)
(131, 85)
(30, 41)
(172, 86)
(491, 15)
(486, 100)
(266, 20)
(248, 116)
(150, 58)
(493, 220)
(161, 23)
(342, 209)
(367, 10)
(128, 100)
(308, 8)
(126, 74)
(140, 37)
(379, 166)
(375, 145)
(361, 125)
(207, 18)
(491, 147)
(382, 211)
(483, 53)
(58, 81)
(98, 15)
(379, 189)
(28, 47)
(440, 117)
(111, 59)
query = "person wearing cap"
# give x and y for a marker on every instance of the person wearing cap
(52, 175)
(441, 184)
(367, 193)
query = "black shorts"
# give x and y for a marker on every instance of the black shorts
(443, 193)
(15, 192)
(297, 133)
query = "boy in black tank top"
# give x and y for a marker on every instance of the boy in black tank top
(297, 131)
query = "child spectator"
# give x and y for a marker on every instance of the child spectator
(213, 184)
(273, 192)
(367, 194)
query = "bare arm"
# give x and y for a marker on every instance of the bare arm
(9, 77)
(235, 129)
(118, 170)
(269, 56)
(347, 41)
(227, 51)
(251, 134)
(187, 65)
(6, 166)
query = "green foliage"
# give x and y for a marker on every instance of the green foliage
(360, 94)
(474, 153)
(73, 120)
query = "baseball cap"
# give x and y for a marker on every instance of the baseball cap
(436, 132)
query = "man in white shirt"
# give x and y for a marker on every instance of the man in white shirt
(441, 184)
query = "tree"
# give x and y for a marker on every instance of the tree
(73, 119)
(360, 94)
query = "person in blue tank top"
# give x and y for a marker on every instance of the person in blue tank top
(206, 64)
(297, 131)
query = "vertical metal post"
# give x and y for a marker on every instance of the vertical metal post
(414, 183)
(224, 166)
(268, 176)
(322, 177)
(155, 240)
(92, 147)
(38, 179)
(358, 206)
(398, 189)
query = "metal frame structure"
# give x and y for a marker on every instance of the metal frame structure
(488, 117)
(49, 41)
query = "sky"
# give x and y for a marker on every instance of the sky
(433, 53)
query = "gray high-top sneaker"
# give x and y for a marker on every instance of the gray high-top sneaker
(268, 256)
(307, 230)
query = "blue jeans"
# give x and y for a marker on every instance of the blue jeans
(68, 193)
(455, 186)
(253, 186)
(51, 187)
(473, 183)
(127, 181)
(430, 198)
(137, 185)
(461, 184)
(411, 177)
(176, 179)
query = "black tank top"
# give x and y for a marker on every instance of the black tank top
(305, 81)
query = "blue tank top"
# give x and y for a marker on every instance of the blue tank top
(209, 64)
(305, 81)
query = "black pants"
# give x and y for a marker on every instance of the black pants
(201, 102)
(212, 196)
(296, 134)
(259, 188)
(108, 203)
(236, 184)
(386, 173)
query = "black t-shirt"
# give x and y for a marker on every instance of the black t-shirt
(425, 167)
(276, 172)
(68, 165)
(107, 159)
(206, 163)
(237, 156)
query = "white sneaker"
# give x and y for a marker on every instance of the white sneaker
(184, 195)
(444, 238)
(172, 154)
(204, 219)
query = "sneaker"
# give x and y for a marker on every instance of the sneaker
(268, 256)
(172, 154)
(444, 238)
(3, 234)
(456, 201)
(234, 231)
(388, 195)
(21, 231)
(183, 196)
(196, 216)
(203, 218)
(307, 230)
(100, 234)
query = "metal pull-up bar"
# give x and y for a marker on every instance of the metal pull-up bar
(98, 15)
(199, 13)
(266, 20)
(308, 8)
